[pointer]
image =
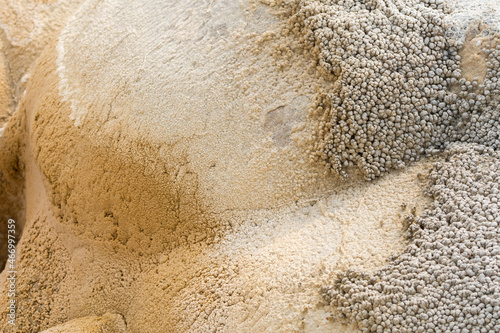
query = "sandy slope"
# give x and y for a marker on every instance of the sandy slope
(167, 179)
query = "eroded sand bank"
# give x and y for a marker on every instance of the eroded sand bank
(174, 169)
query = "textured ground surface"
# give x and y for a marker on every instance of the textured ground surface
(178, 162)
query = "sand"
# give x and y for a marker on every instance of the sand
(26, 27)
(158, 165)
(107, 323)
(5, 91)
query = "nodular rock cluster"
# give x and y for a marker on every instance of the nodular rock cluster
(448, 279)
(403, 91)
(399, 91)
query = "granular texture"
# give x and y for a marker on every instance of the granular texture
(399, 91)
(448, 279)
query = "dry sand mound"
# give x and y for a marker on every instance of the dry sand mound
(171, 162)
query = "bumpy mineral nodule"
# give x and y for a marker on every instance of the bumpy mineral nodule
(400, 94)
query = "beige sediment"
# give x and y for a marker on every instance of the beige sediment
(26, 28)
(473, 63)
(113, 249)
(5, 91)
(107, 323)
(189, 235)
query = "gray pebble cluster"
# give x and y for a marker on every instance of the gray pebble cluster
(399, 92)
(448, 279)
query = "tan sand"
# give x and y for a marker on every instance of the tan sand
(5, 91)
(26, 27)
(169, 180)
(107, 323)
(474, 58)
